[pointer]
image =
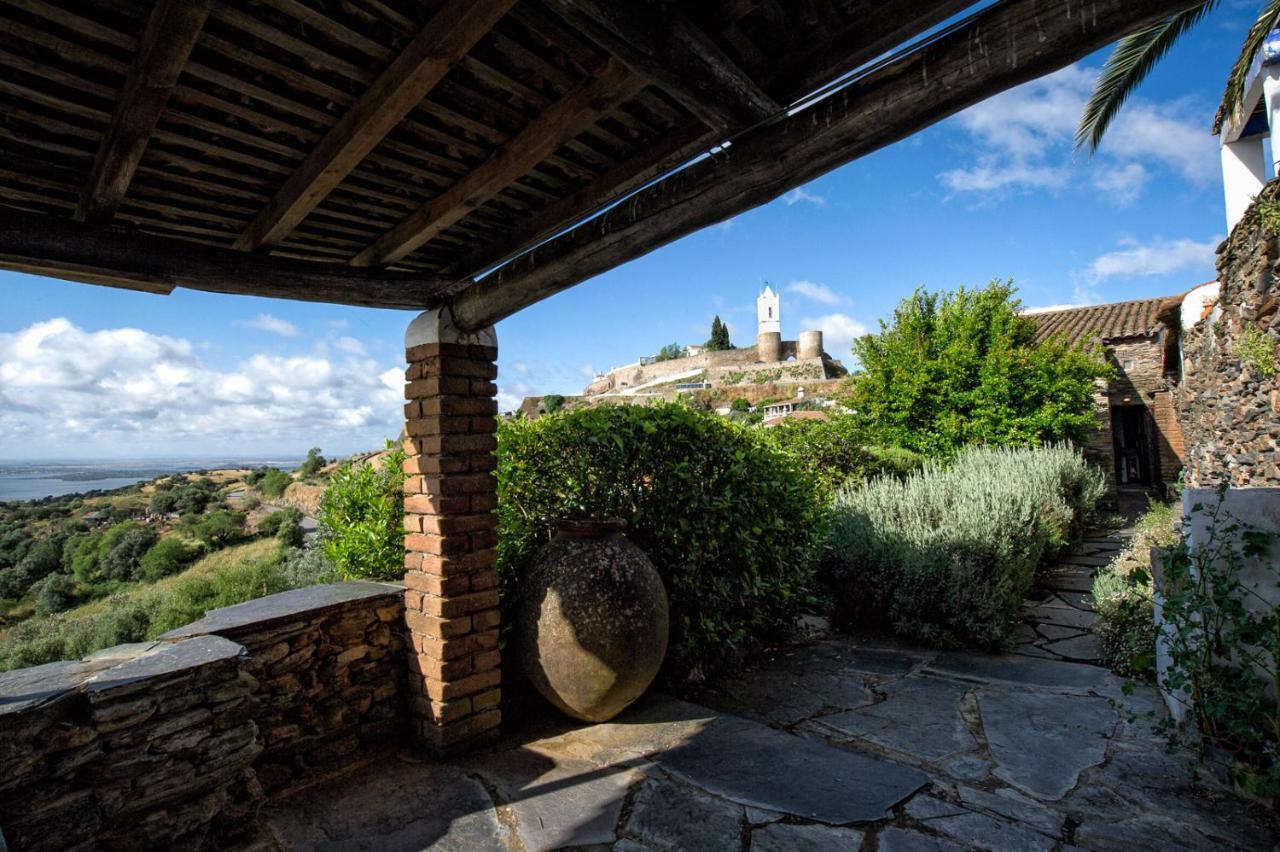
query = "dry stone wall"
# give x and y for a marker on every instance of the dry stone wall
(175, 744)
(1230, 411)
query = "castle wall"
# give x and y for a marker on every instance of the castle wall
(633, 375)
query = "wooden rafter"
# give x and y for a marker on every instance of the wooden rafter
(170, 34)
(441, 43)
(1004, 45)
(119, 256)
(558, 123)
(659, 42)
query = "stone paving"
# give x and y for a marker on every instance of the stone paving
(834, 744)
(1058, 618)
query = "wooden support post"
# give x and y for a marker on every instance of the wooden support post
(451, 577)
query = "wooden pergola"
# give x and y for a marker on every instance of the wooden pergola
(468, 157)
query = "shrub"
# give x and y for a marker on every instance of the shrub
(740, 404)
(122, 549)
(730, 523)
(271, 524)
(552, 402)
(273, 482)
(1122, 595)
(216, 529)
(946, 555)
(670, 352)
(831, 451)
(894, 461)
(963, 368)
(362, 518)
(56, 594)
(167, 556)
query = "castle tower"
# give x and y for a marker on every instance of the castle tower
(768, 312)
(810, 345)
(769, 326)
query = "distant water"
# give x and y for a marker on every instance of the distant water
(36, 479)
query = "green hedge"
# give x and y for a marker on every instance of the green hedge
(946, 555)
(730, 522)
(835, 452)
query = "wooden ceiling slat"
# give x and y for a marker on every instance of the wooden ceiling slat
(560, 122)
(658, 42)
(414, 73)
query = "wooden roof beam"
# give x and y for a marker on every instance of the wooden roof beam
(556, 125)
(439, 45)
(170, 34)
(657, 41)
(121, 256)
(1003, 46)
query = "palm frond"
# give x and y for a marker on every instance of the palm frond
(1268, 20)
(1128, 65)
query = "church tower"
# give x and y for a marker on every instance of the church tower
(768, 326)
(768, 312)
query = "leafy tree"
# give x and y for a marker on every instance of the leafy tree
(670, 352)
(57, 593)
(167, 556)
(740, 404)
(219, 528)
(121, 553)
(1135, 56)
(271, 524)
(80, 555)
(362, 518)
(719, 340)
(552, 402)
(44, 558)
(961, 368)
(314, 461)
(273, 482)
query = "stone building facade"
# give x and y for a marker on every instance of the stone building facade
(1139, 441)
(1228, 397)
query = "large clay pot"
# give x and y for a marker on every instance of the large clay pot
(593, 620)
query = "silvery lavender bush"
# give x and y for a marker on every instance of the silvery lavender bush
(946, 555)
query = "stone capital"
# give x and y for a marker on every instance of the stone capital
(437, 326)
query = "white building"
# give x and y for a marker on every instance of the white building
(768, 312)
(1251, 139)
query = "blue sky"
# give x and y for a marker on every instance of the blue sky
(996, 192)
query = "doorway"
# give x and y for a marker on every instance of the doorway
(1131, 431)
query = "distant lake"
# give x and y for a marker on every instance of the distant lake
(36, 479)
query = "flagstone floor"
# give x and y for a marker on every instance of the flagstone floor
(834, 744)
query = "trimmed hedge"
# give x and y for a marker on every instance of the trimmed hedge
(946, 555)
(730, 522)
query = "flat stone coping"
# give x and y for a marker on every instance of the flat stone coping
(285, 606)
(109, 673)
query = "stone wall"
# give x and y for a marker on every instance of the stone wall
(1230, 412)
(176, 743)
(329, 671)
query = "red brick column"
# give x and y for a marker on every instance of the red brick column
(451, 578)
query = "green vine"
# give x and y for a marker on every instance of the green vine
(1257, 351)
(1269, 213)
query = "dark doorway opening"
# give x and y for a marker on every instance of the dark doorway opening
(1131, 431)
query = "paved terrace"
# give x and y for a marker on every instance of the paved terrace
(834, 744)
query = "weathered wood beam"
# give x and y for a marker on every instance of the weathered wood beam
(1003, 46)
(657, 41)
(120, 256)
(677, 147)
(411, 76)
(557, 124)
(170, 34)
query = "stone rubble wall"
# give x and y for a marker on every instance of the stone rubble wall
(175, 744)
(1230, 414)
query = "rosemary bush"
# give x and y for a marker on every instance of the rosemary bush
(946, 555)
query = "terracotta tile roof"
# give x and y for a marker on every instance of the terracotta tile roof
(1139, 318)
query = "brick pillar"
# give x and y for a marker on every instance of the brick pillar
(451, 578)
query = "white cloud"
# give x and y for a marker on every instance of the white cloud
(1024, 140)
(587, 371)
(838, 331)
(520, 367)
(143, 391)
(272, 325)
(1159, 257)
(820, 293)
(350, 345)
(799, 194)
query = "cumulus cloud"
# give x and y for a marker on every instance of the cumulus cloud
(1158, 257)
(816, 292)
(800, 194)
(838, 332)
(350, 345)
(272, 325)
(1023, 140)
(150, 392)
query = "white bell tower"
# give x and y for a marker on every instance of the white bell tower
(768, 312)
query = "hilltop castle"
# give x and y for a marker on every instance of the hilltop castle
(771, 361)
